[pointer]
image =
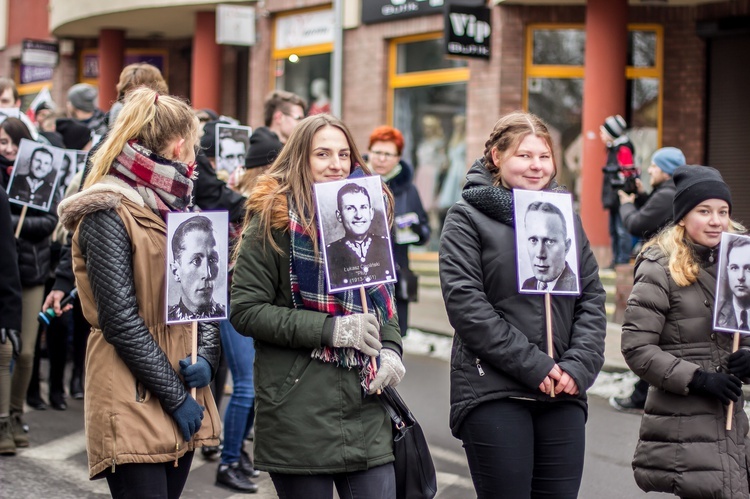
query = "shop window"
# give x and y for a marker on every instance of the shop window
(428, 105)
(554, 91)
(296, 74)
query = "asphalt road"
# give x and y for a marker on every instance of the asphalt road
(55, 464)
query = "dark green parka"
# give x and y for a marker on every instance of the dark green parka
(311, 417)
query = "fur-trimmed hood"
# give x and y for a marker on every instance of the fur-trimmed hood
(104, 195)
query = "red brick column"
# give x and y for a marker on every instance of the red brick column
(205, 78)
(111, 62)
(603, 95)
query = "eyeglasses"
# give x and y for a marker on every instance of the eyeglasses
(295, 118)
(383, 154)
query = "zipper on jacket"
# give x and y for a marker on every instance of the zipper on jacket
(114, 436)
(479, 367)
(176, 453)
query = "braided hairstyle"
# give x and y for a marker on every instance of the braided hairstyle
(507, 135)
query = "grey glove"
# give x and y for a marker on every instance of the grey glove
(15, 340)
(390, 372)
(358, 331)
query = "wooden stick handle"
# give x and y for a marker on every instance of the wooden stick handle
(20, 220)
(550, 345)
(730, 407)
(194, 354)
(363, 297)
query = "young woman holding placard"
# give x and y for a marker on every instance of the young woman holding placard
(669, 341)
(317, 423)
(142, 425)
(520, 440)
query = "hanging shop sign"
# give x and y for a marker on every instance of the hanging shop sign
(467, 31)
(300, 30)
(38, 61)
(378, 11)
(235, 25)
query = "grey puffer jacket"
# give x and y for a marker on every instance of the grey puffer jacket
(684, 448)
(499, 349)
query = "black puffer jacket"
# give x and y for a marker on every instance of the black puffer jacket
(10, 284)
(33, 245)
(500, 335)
(649, 213)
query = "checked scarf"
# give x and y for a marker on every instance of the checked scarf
(309, 291)
(163, 184)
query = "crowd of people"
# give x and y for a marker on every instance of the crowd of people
(307, 364)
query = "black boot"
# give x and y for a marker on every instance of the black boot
(76, 385)
(57, 401)
(232, 477)
(246, 465)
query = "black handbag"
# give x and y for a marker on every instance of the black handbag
(415, 471)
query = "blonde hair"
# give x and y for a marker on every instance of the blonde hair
(507, 135)
(290, 175)
(152, 119)
(140, 74)
(673, 242)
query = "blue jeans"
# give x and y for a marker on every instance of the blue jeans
(238, 419)
(622, 241)
(375, 483)
(524, 448)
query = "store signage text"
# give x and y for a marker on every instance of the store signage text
(467, 31)
(376, 11)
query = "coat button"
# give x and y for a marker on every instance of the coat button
(713, 336)
(296, 380)
(705, 302)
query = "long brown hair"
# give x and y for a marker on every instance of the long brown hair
(290, 175)
(507, 135)
(152, 119)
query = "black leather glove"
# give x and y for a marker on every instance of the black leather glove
(15, 340)
(722, 386)
(739, 363)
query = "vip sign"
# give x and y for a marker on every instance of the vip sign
(467, 31)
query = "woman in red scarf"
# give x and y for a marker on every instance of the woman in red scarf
(142, 425)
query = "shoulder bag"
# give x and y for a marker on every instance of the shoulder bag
(415, 471)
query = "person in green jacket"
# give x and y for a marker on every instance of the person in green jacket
(318, 420)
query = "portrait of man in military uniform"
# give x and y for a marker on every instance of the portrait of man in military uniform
(362, 256)
(196, 274)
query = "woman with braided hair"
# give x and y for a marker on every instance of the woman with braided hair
(142, 425)
(520, 441)
(317, 421)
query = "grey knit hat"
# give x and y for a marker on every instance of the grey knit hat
(83, 96)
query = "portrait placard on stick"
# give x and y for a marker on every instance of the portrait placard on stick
(232, 142)
(197, 251)
(354, 233)
(35, 175)
(546, 247)
(732, 304)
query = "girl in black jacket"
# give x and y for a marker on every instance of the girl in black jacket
(520, 441)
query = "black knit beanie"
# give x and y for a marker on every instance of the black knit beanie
(696, 184)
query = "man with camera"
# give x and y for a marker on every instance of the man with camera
(619, 174)
(644, 215)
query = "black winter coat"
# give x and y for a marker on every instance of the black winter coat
(499, 346)
(406, 200)
(33, 244)
(10, 282)
(649, 213)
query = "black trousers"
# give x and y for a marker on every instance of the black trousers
(521, 449)
(150, 481)
(375, 483)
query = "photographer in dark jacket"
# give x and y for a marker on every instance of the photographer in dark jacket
(10, 320)
(619, 173)
(644, 215)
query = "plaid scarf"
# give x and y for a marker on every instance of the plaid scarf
(307, 275)
(163, 184)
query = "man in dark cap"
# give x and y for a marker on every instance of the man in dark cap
(82, 107)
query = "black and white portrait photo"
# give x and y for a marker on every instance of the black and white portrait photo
(197, 266)
(35, 174)
(232, 142)
(354, 233)
(733, 284)
(546, 248)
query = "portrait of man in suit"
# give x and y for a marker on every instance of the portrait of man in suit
(361, 256)
(35, 187)
(548, 244)
(734, 307)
